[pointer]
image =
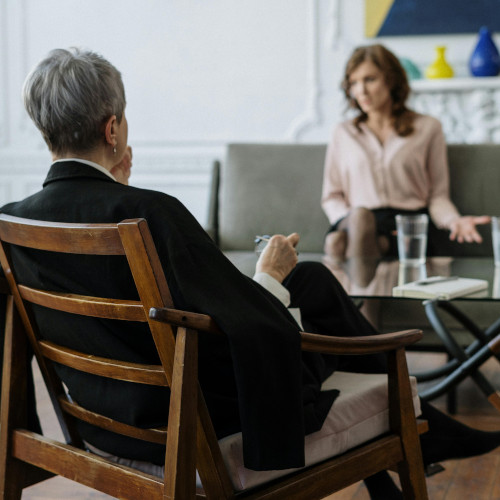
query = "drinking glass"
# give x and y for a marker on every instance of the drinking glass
(412, 238)
(495, 237)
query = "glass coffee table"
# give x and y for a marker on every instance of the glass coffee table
(368, 279)
(375, 279)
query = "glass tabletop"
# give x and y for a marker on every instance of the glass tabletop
(365, 278)
(375, 278)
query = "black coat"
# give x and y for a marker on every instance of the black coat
(254, 382)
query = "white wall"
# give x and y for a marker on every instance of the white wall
(198, 74)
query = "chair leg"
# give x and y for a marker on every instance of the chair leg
(13, 382)
(180, 457)
(403, 422)
(14, 474)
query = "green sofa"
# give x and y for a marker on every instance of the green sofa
(275, 188)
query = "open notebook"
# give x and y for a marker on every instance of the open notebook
(442, 287)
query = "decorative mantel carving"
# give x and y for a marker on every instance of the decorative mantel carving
(468, 108)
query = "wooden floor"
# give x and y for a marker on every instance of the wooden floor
(472, 479)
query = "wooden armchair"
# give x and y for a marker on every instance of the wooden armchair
(191, 445)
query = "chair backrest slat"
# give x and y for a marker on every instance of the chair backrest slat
(146, 269)
(152, 435)
(85, 239)
(126, 310)
(104, 367)
(95, 239)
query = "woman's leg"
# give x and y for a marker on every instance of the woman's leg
(336, 244)
(356, 236)
(361, 227)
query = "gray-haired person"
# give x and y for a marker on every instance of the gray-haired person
(76, 99)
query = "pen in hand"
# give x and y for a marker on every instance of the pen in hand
(258, 238)
(261, 242)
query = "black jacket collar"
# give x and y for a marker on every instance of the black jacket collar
(72, 170)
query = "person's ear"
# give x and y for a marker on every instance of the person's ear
(110, 131)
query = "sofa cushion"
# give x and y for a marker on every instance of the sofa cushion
(271, 189)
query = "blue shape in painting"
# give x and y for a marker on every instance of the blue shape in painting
(425, 17)
(485, 60)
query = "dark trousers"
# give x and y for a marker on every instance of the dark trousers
(327, 309)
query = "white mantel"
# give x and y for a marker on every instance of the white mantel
(469, 108)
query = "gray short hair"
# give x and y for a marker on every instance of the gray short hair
(69, 95)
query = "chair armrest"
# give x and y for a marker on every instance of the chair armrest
(359, 345)
(176, 317)
(309, 341)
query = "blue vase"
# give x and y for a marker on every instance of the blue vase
(485, 60)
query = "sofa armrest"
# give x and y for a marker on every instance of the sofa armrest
(212, 226)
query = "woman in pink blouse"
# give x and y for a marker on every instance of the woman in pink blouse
(387, 160)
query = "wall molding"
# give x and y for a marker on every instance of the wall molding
(157, 160)
(4, 95)
(14, 34)
(333, 29)
(311, 115)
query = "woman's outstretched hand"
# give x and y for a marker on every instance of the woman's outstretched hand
(464, 228)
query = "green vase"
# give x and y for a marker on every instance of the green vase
(439, 68)
(412, 71)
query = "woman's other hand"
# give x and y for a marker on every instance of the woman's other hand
(464, 229)
(121, 171)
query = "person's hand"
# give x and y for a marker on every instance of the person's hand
(464, 228)
(279, 257)
(121, 171)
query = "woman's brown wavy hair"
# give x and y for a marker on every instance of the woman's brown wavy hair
(396, 79)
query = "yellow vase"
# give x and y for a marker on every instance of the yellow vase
(439, 68)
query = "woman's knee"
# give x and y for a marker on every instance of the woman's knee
(336, 244)
(362, 219)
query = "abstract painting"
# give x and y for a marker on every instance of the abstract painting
(428, 17)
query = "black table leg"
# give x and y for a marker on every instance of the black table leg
(462, 363)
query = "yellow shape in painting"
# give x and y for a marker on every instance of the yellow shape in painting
(375, 13)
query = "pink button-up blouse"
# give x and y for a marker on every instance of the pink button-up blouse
(407, 173)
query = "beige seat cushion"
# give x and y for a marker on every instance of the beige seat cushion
(360, 413)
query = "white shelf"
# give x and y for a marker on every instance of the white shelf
(455, 84)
